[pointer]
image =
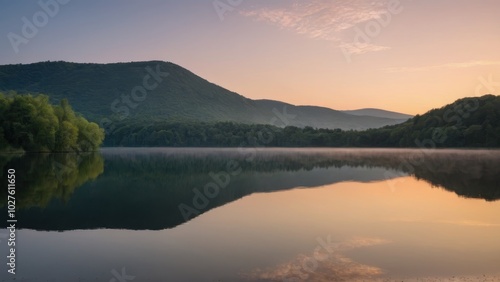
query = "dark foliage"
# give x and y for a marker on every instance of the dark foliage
(469, 122)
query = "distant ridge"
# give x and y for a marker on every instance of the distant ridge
(378, 113)
(101, 91)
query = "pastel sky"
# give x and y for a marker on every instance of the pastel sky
(407, 56)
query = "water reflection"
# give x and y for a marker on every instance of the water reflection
(326, 263)
(376, 220)
(42, 178)
(153, 188)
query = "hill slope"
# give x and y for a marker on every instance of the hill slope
(169, 93)
(467, 122)
(321, 117)
(378, 113)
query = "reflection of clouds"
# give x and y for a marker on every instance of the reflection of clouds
(358, 242)
(325, 263)
(477, 278)
(325, 19)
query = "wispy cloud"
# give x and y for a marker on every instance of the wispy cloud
(462, 65)
(329, 20)
(362, 48)
(470, 223)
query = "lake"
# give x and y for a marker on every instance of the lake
(178, 214)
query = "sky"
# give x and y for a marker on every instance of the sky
(402, 55)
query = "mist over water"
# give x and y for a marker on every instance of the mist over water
(258, 214)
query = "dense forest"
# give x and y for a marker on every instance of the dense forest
(31, 123)
(468, 122)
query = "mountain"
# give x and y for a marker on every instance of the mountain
(321, 117)
(162, 91)
(378, 113)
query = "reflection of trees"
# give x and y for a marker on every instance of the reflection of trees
(143, 190)
(471, 174)
(468, 173)
(468, 176)
(43, 177)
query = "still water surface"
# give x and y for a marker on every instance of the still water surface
(168, 214)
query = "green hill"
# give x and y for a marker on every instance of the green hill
(103, 92)
(467, 122)
(161, 104)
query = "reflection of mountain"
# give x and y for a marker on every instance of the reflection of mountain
(143, 190)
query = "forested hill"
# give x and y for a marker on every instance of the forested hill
(158, 91)
(468, 122)
(178, 108)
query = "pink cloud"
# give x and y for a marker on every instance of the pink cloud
(328, 20)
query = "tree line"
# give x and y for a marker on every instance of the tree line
(469, 122)
(31, 123)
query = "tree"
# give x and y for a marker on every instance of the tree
(31, 123)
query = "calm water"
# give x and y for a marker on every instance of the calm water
(256, 215)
